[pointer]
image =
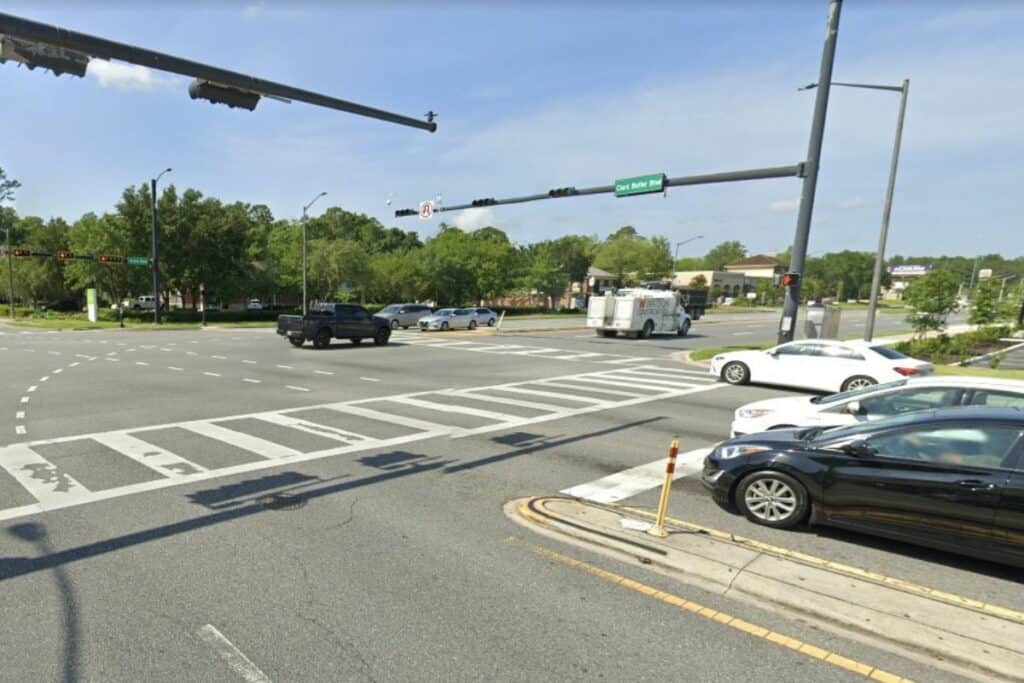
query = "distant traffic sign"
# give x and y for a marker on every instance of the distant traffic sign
(426, 210)
(655, 182)
(137, 260)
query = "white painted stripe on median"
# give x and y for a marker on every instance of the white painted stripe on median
(628, 483)
(235, 659)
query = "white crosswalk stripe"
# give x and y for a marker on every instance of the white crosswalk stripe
(636, 480)
(311, 432)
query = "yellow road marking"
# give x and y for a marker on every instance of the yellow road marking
(875, 577)
(721, 617)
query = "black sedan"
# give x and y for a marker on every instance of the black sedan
(951, 479)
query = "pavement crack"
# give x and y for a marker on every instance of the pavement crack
(739, 571)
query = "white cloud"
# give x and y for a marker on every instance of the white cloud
(783, 206)
(473, 219)
(854, 203)
(126, 76)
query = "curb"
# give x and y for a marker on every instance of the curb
(941, 630)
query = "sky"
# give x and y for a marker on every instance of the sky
(536, 95)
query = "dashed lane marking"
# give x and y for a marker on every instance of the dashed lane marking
(369, 379)
(294, 388)
(323, 372)
(32, 388)
(175, 368)
(220, 357)
(20, 415)
(251, 381)
(235, 658)
(284, 367)
(212, 374)
(20, 429)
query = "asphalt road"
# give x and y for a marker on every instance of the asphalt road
(147, 533)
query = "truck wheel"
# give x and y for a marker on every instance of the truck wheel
(382, 336)
(648, 330)
(322, 339)
(356, 340)
(685, 329)
(297, 341)
(608, 333)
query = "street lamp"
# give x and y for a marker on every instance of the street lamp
(156, 249)
(883, 233)
(305, 309)
(679, 244)
(10, 272)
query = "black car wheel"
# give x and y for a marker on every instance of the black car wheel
(472, 324)
(490, 322)
(444, 326)
(394, 324)
(648, 330)
(382, 336)
(297, 341)
(685, 329)
(356, 340)
(322, 339)
(736, 373)
(858, 382)
(772, 499)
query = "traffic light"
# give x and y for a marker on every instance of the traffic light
(790, 279)
(562, 192)
(21, 253)
(59, 60)
(222, 94)
(486, 201)
(405, 212)
(64, 255)
(110, 258)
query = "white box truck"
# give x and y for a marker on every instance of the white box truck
(638, 313)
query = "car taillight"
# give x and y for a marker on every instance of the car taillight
(907, 372)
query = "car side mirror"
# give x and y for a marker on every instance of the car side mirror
(772, 352)
(855, 408)
(859, 448)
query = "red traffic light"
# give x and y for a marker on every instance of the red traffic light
(110, 258)
(21, 252)
(790, 279)
(65, 255)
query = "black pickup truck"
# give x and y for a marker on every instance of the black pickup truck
(333, 321)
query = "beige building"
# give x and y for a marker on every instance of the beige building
(730, 284)
(758, 266)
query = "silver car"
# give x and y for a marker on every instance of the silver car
(450, 319)
(403, 315)
(485, 316)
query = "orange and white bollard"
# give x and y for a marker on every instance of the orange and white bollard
(659, 525)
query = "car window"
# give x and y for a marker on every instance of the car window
(445, 311)
(390, 309)
(886, 352)
(854, 393)
(999, 399)
(986, 446)
(908, 400)
(830, 351)
(799, 350)
(359, 314)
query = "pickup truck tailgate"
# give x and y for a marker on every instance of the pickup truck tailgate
(290, 325)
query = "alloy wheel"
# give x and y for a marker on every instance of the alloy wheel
(771, 500)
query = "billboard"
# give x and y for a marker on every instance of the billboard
(909, 270)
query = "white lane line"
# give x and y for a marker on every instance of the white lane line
(44, 378)
(656, 382)
(596, 390)
(251, 381)
(81, 355)
(369, 379)
(24, 399)
(506, 401)
(191, 353)
(249, 362)
(32, 388)
(220, 357)
(141, 362)
(211, 374)
(284, 367)
(71, 365)
(175, 368)
(114, 360)
(234, 657)
(741, 334)
(388, 418)
(294, 388)
(60, 370)
(325, 431)
(675, 371)
(551, 394)
(193, 342)
(628, 483)
(322, 372)
(254, 444)
(20, 415)
(20, 429)
(623, 361)
(155, 458)
(55, 353)
(451, 408)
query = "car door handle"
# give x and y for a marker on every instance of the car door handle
(976, 485)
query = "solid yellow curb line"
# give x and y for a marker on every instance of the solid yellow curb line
(714, 615)
(875, 577)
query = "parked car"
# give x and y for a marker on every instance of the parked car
(449, 319)
(403, 315)
(485, 316)
(818, 365)
(333, 321)
(146, 302)
(254, 305)
(876, 402)
(951, 479)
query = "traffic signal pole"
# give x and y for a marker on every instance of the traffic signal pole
(155, 256)
(790, 307)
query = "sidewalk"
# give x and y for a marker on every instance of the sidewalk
(943, 630)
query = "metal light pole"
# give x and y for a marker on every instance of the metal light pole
(305, 309)
(1002, 286)
(10, 273)
(679, 244)
(803, 224)
(156, 249)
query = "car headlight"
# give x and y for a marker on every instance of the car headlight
(752, 412)
(739, 450)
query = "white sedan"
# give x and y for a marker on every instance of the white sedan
(875, 402)
(818, 365)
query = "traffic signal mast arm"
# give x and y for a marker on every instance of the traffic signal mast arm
(101, 48)
(796, 170)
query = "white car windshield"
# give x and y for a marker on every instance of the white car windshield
(390, 309)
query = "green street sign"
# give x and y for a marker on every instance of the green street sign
(137, 261)
(655, 182)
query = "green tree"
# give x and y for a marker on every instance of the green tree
(933, 297)
(699, 281)
(690, 263)
(722, 254)
(547, 276)
(985, 307)
(630, 257)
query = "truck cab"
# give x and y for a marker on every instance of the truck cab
(327, 321)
